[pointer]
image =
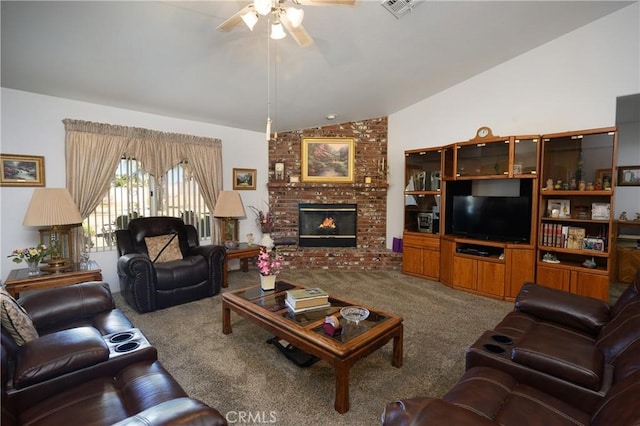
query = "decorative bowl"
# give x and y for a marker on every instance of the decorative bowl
(354, 313)
(230, 245)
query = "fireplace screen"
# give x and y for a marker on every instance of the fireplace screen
(327, 225)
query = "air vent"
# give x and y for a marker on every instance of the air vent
(399, 8)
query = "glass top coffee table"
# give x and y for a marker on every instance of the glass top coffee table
(305, 330)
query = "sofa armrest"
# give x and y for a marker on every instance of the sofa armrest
(215, 255)
(58, 353)
(179, 411)
(50, 307)
(568, 309)
(429, 411)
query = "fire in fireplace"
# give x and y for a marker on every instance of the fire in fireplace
(327, 225)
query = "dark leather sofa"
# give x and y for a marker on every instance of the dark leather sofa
(148, 285)
(89, 366)
(556, 359)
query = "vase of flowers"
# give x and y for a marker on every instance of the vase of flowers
(265, 222)
(32, 256)
(269, 265)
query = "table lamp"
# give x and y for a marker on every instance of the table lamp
(228, 209)
(53, 207)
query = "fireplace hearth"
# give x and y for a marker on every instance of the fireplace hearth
(327, 225)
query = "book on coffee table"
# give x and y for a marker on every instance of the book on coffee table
(308, 308)
(306, 298)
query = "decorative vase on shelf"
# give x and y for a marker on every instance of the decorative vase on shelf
(267, 241)
(267, 282)
(32, 265)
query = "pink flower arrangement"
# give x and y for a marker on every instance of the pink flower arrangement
(269, 263)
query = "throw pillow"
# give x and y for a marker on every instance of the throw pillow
(163, 248)
(15, 319)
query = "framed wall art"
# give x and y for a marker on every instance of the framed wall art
(328, 159)
(22, 170)
(244, 179)
(629, 175)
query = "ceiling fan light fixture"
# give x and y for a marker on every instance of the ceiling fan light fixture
(295, 16)
(251, 19)
(277, 31)
(263, 7)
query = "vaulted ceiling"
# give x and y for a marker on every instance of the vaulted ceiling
(167, 58)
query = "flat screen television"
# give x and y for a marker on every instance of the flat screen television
(503, 219)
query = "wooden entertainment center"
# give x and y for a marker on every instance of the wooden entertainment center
(566, 181)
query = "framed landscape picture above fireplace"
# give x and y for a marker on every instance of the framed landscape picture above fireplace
(328, 159)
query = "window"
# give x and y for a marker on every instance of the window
(135, 193)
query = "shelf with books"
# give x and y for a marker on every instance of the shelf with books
(574, 216)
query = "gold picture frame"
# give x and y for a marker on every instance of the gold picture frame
(22, 170)
(244, 179)
(328, 160)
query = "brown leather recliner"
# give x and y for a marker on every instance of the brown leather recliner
(148, 282)
(558, 359)
(77, 370)
(486, 396)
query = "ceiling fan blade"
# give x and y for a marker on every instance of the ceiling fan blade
(325, 2)
(234, 20)
(299, 34)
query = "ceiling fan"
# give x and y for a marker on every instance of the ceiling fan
(281, 16)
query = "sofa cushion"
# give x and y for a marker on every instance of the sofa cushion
(181, 273)
(561, 353)
(58, 353)
(16, 320)
(560, 307)
(107, 400)
(163, 248)
(486, 396)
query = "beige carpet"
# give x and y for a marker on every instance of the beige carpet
(246, 378)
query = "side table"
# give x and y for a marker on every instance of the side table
(243, 252)
(20, 280)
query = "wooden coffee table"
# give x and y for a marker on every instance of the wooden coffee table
(304, 331)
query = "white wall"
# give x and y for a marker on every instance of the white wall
(570, 83)
(32, 125)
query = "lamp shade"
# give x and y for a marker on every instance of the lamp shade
(51, 207)
(277, 31)
(250, 18)
(263, 7)
(229, 204)
(295, 16)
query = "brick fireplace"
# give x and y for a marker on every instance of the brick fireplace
(370, 250)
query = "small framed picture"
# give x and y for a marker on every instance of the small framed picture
(629, 176)
(559, 208)
(278, 171)
(22, 170)
(600, 211)
(244, 179)
(595, 244)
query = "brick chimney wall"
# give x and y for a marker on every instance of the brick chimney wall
(370, 138)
